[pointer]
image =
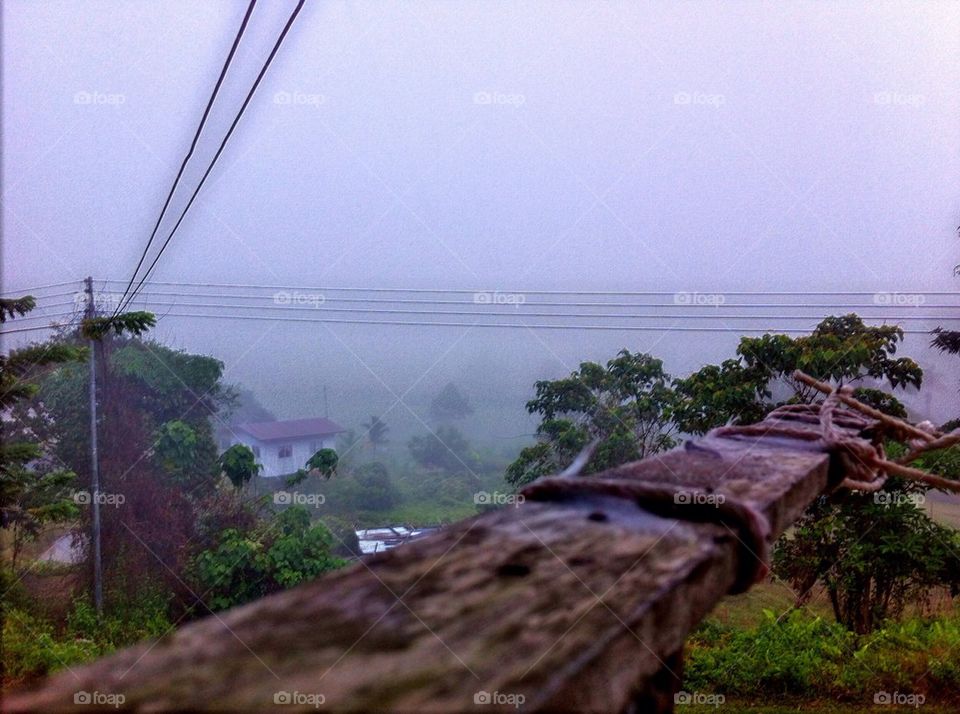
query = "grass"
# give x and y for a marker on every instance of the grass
(427, 514)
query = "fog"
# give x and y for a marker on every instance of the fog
(699, 148)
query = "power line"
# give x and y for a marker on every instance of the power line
(467, 291)
(629, 328)
(193, 146)
(40, 327)
(41, 287)
(541, 303)
(520, 312)
(233, 125)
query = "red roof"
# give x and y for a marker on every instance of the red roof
(291, 429)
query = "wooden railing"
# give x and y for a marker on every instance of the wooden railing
(575, 604)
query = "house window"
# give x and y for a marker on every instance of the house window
(256, 451)
(286, 451)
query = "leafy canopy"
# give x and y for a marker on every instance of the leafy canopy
(626, 405)
(239, 465)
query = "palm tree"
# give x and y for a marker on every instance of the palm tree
(376, 431)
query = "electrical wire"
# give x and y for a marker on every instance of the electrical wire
(541, 303)
(216, 157)
(193, 146)
(520, 312)
(628, 328)
(553, 292)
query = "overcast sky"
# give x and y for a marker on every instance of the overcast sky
(494, 145)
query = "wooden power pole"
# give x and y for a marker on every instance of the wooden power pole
(91, 312)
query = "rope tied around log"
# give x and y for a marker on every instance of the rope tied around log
(861, 453)
(850, 431)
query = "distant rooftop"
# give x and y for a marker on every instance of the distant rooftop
(291, 429)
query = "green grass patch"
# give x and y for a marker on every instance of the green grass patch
(802, 656)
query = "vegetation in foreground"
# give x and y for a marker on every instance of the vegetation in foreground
(801, 656)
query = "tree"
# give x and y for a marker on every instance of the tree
(871, 552)
(176, 448)
(445, 449)
(626, 406)
(243, 566)
(376, 431)
(239, 465)
(34, 489)
(322, 463)
(450, 404)
(378, 492)
(841, 350)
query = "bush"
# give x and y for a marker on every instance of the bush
(246, 565)
(34, 647)
(807, 656)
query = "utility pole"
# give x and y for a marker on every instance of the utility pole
(91, 312)
(326, 406)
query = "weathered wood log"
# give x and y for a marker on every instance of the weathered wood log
(574, 605)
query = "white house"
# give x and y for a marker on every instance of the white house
(282, 447)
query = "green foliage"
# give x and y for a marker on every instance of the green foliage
(376, 492)
(873, 553)
(450, 404)
(175, 448)
(244, 566)
(239, 465)
(445, 449)
(127, 323)
(946, 341)
(365, 490)
(800, 655)
(34, 646)
(173, 384)
(717, 394)
(627, 406)
(16, 307)
(841, 350)
(33, 490)
(324, 462)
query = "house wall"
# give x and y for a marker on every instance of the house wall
(269, 457)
